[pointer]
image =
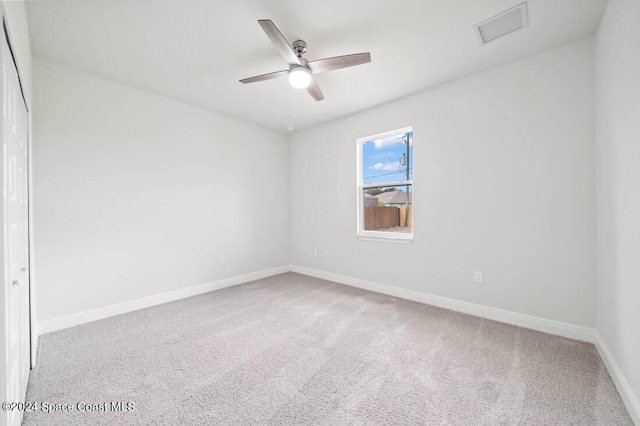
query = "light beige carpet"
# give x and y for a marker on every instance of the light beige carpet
(297, 350)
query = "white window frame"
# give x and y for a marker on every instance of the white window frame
(399, 237)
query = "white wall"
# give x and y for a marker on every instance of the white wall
(504, 184)
(139, 195)
(618, 183)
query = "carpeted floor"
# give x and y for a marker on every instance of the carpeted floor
(294, 350)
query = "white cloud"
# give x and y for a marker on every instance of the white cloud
(390, 141)
(386, 166)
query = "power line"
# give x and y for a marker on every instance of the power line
(387, 174)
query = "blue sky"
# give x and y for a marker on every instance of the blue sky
(381, 159)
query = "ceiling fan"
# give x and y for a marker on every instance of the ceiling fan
(300, 70)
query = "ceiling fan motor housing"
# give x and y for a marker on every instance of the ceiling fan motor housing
(300, 47)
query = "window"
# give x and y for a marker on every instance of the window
(385, 185)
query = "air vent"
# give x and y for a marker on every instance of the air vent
(502, 24)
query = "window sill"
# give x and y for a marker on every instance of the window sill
(405, 239)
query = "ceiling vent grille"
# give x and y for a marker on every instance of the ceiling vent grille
(504, 23)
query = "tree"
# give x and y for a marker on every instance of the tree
(378, 191)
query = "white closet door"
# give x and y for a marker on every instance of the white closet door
(17, 232)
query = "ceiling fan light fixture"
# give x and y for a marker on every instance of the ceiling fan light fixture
(299, 77)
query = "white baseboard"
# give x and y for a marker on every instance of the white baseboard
(72, 320)
(629, 397)
(527, 321)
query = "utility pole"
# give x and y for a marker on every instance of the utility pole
(404, 160)
(406, 219)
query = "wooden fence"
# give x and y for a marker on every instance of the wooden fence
(385, 217)
(403, 216)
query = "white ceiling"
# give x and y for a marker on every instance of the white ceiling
(196, 50)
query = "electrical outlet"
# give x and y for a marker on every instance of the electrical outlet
(477, 276)
(223, 260)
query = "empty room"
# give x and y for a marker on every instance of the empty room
(279, 212)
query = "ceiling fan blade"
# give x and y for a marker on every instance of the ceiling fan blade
(279, 41)
(337, 62)
(314, 90)
(264, 77)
